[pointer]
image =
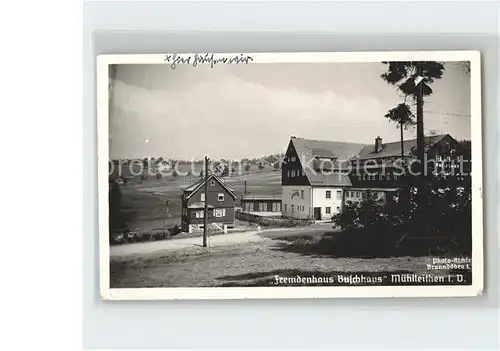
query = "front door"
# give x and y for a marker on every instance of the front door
(317, 213)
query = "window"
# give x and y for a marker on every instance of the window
(380, 176)
(262, 207)
(302, 194)
(292, 208)
(347, 194)
(199, 214)
(202, 197)
(338, 209)
(220, 212)
(328, 194)
(300, 172)
(339, 194)
(285, 207)
(328, 210)
(358, 194)
(212, 182)
(289, 174)
(220, 197)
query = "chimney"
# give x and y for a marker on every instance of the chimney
(293, 137)
(378, 144)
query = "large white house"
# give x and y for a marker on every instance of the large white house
(314, 176)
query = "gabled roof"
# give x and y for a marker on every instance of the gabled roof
(394, 148)
(330, 155)
(335, 179)
(193, 188)
(326, 149)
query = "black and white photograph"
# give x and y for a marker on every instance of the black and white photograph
(297, 175)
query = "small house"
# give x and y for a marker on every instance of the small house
(220, 205)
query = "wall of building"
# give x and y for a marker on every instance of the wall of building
(353, 194)
(319, 199)
(296, 201)
(213, 190)
(261, 205)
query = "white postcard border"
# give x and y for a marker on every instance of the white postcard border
(103, 62)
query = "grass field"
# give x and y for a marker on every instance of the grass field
(143, 201)
(253, 263)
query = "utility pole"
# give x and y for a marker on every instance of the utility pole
(205, 212)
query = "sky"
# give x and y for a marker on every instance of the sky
(236, 111)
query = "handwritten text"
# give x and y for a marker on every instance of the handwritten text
(211, 59)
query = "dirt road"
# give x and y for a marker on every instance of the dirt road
(218, 240)
(183, 243)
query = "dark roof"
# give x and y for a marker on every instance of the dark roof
(200, 204)
(335, 179)
(314, 152)
(394, 148)
(194, 187)
(261, 197)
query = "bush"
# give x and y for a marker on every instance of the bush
(142, 237)
(247, 167)
(116, 238)
(130, 237)
(377, 226)
(174, 230)
(158, 175)
(159, 236)
(370, 214)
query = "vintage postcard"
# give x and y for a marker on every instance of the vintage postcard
(290, 175)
